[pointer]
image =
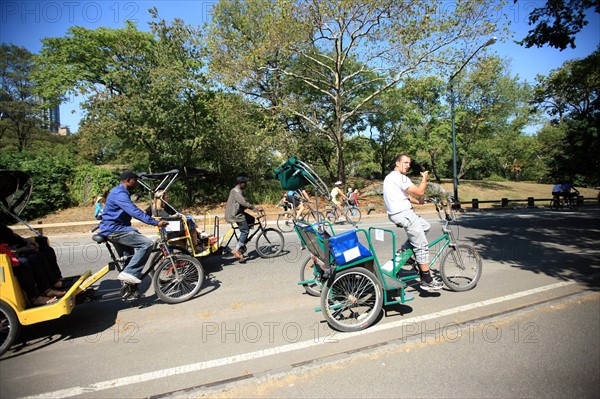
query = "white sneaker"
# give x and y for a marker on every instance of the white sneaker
(128, 278)
(435, 285)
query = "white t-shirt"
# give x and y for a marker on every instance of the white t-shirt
(394, 192)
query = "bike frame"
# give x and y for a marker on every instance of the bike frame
(232, 232)
(396, 278)
(159, 245)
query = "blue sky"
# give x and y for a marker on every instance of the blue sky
(25, 23)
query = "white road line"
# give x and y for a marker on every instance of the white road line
(168, 372)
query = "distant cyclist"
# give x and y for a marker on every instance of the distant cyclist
(337, 194)
(297, 199)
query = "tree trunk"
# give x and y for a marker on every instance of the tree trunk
(433, 168)
(340, 160)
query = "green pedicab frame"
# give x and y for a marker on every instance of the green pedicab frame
(352, 281)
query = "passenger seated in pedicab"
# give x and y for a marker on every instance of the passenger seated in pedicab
(161, 208)
(35, 267)
(284, 203)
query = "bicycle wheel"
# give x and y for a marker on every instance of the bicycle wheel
(574, 203)
(178, 281)
(285, 222)
(555, 204)
(309, 271)
(331, 216)
(461, 268)
(9, 327)
(314, 217)
(353, 301)
(352, 215)
(156, 256)
(269, 243)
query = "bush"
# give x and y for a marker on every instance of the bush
(495, 177)
(90, 181)
(51, 175)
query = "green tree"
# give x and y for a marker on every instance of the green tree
(426, 114)
(558, 22)
(571, 95)
(22, 110)
(51, 175)
(492, 107)
(146, 92)
(257, 47)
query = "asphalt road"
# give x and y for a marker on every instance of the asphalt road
(253, 332)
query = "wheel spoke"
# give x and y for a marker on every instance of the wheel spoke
(353, 301)
(461, 268)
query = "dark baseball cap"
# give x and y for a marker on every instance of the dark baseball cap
(241, 179)
(128, 175)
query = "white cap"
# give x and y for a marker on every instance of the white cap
(338, 183)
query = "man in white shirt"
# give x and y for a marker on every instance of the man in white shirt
(398, 192)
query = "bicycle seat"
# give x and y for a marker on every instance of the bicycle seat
(99, 239)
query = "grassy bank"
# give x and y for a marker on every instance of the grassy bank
(468, 190)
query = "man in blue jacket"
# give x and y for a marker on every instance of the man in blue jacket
(116, 226)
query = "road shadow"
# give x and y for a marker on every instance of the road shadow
(88, 320)
(563, 246)
(93, 317)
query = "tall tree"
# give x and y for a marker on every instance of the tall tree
(145, 91)
(557, 23)
(21, 109)
(571, 95)
(257, 46)
(491, 104)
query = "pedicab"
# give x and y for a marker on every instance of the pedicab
(176, 277)
(179, 230)
(182, 234)
(15, 309)
(353, 281)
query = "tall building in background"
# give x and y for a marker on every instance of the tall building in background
(64, 131)
(51, 118)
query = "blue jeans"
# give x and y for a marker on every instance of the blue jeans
(244, 230)
(132, 243)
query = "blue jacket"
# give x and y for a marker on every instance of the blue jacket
(118, 211)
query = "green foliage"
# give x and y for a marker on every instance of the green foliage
(495, 177)
(22, 120)
(557, 23)
(145, 91)
(492, 111)
(571, 94)
(320, 64)
(242, 139)
(90, 181)
(51, 177)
